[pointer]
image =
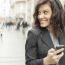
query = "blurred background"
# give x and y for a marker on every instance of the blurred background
(16, 18)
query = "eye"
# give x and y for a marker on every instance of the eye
(45, 12)
(39, 13)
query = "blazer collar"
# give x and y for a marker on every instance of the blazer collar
(45, 37)
(61, 39)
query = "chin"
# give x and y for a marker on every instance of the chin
(43, 26)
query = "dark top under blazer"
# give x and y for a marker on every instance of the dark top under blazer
(37, 45)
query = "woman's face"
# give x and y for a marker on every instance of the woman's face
(44, 15)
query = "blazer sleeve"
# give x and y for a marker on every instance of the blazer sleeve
(31, 50)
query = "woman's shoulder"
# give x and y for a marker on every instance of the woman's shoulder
(34, 31)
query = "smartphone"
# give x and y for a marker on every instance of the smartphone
(59, 47)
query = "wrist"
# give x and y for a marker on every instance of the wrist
(45, 61)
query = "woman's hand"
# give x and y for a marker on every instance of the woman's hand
(53, 57)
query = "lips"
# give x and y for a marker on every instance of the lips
(43, 19)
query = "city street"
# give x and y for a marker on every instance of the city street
(12, 48)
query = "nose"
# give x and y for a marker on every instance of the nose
(41, 16)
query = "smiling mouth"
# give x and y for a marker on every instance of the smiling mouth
(43, 20)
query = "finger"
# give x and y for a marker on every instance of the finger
(58, 51)
(51, 50)
(60, 55)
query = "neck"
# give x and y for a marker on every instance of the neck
(51, 31)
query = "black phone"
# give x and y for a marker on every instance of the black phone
(59, 47)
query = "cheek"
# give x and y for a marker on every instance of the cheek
(38, 16)
(49, 17)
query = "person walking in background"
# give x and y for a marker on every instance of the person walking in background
(47, 33)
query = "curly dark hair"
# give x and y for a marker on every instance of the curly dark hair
(58, 15)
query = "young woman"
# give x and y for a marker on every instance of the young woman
(46, 35)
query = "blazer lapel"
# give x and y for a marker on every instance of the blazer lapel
(45, 37)
(61, 39)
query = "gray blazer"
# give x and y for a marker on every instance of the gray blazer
(37, 45)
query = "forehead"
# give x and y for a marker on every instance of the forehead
(44, 7)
